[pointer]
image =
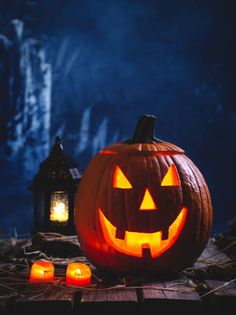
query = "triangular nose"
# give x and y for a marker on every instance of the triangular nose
(148, 202)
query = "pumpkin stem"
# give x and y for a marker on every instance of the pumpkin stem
(144, 130)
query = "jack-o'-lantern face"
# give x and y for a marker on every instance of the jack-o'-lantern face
(142, 206)
(143, 201)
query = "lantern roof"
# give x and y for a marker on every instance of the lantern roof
(57, 168)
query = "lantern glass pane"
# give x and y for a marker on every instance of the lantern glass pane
(59, 207)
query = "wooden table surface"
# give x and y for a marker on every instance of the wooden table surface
(193, 291)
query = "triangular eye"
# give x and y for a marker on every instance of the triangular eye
(120, 180)
(171, 178)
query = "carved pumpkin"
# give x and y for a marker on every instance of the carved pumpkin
(142, 205)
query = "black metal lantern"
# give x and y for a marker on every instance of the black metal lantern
(54, 189)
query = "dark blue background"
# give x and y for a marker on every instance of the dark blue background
(113, 60)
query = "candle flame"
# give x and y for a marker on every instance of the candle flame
(78, 272)
(59, 212)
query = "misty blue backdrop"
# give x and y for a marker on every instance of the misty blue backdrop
(86, 70)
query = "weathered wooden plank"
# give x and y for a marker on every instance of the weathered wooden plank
(56, 245)
(45, 297)
(10, 286)
(167, 296)
(212, 264)
(211, 254)
(107, 301)
(221, 298)
(6, 303)
(170, 296)
(222, 288)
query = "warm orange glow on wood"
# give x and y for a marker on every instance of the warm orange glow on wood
(148, 202)
(78, 274)
(120, 180)
(134, 242)
(171, 178)
(42, 271)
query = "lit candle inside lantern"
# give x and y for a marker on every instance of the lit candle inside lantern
(59, 208)
(42, 271)
(78, 274)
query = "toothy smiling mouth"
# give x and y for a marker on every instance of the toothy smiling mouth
(141, 244)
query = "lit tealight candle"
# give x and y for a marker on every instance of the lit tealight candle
(78, 274)
(42, 271)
